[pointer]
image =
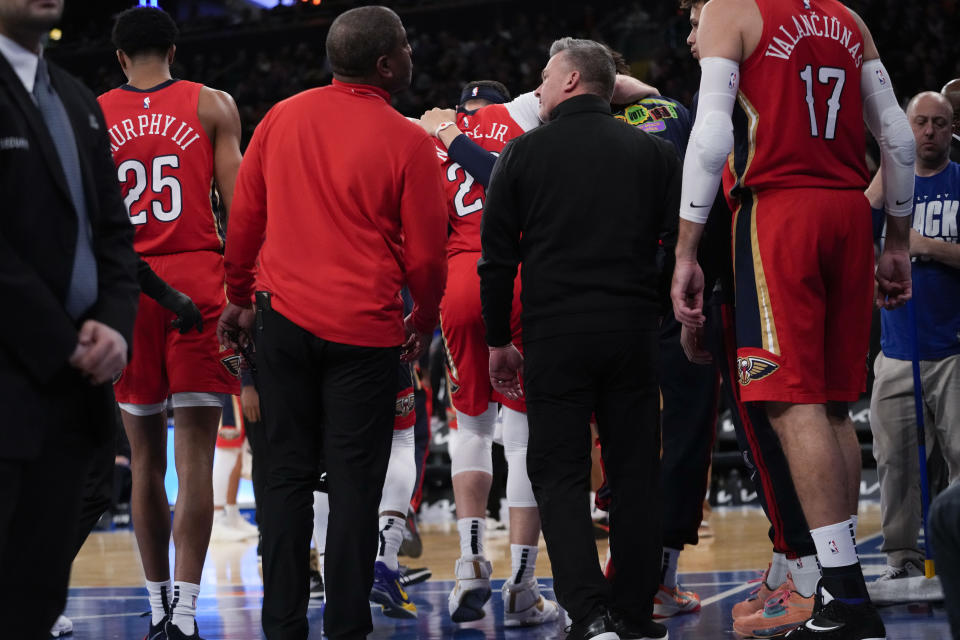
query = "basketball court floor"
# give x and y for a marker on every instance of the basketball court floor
(107, 599)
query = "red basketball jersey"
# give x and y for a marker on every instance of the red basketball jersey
(491, 127)
(165, 166)
(799, 115)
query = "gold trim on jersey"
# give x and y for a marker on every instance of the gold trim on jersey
(768, 326)
(753, 121)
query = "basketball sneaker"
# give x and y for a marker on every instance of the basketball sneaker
(836, 620)
(523, 606)
(472, 589)
(173, 632)
(756, 599)
(410, 576)
(62, 627)
(781, 612)
(157, 631)
(909, 569)
(388, 593)
(412, 545)
(671, 602)
(632, 630)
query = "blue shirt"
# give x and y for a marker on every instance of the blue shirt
(936, 286)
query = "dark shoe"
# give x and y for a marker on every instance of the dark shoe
(316, 584)
(410, 576)
(388, 593)
(174, 633)
(157, 631)
(412, 545)
(633, 630)
(838, 620)
(598, 626)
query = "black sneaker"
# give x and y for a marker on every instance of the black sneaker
(632, 630)
(838, 620)
(412, 545)
(173, 632)
(410, 576)
(598, 626)
(316, 584)
(157, 631)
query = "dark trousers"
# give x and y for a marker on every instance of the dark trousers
(689, 418)
(257, 437)
(759, 443)
(566, 379)
(97, 491)
(332, 402)
(39, 510)
(945, 539)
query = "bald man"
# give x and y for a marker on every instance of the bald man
(951, 91)
(936, 290)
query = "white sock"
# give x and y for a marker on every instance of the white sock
(321, 512)
(224, 460)
(160, 594)
(835, 545)
(523, 562)
(184, 606)
(806, 574)
(777, 574)
(472, 532)
(391, 535)
(668, 569)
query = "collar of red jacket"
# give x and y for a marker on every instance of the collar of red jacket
(362, 89)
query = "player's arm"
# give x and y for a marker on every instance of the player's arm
(474, 159)
(152, 285)
(219, 110)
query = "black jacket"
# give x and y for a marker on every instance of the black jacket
(41, 393)
(582, 202)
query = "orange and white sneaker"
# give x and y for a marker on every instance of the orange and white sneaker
(781, 612)
(675, 601)
(756, 599)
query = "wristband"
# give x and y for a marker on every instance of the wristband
(442, 126)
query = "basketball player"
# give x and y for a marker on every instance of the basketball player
(484, 119)
(228, 524)
(803, 72)
(171, 141)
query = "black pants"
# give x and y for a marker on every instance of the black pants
(566, 379)
(690, 392)
(321, 401)
(759, 444)
(39, 511)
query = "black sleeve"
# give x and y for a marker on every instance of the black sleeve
(500, 230)
(474, 159)
(118, 292)
(150, 283)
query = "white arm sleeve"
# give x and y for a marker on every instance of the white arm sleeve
(525, 111)
(889, 125)
(711, 139)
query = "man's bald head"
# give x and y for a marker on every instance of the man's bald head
(358, 38)
(930, 101)
(930, 115)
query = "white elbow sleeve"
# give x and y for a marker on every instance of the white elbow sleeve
(889, 125)
(712, 138)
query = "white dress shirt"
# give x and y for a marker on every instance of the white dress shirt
(23, 61)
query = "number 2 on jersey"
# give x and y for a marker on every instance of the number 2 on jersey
(159, 182)
(463, 209)
(824, 75)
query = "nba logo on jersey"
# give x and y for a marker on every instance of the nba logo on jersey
(146, 102)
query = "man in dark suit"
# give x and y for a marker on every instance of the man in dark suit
(68, 281)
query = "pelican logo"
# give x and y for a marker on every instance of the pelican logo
(232, 364)
(753, 368)
(146, 102)
(405, 406)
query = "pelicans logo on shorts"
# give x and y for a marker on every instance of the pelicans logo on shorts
(753, 368)
(232, 364)
(405, 406)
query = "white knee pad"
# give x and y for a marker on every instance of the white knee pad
(515, 434)
(474, 441)
(401, 473)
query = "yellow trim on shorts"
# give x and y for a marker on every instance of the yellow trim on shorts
(768, 325)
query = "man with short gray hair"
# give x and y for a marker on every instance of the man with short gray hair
(590, 318)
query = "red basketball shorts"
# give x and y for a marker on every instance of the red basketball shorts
(165, 361)
(405, 415)
(803, 260)
(468, 359)
(232, 432)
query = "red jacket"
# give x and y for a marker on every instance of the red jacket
(338, 205)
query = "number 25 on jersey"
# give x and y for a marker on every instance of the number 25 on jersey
(158, 182)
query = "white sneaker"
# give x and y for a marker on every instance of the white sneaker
(908, 570)
(472, 589)
(223, 531)
(238, 522)
(62, 627)
(523, 606)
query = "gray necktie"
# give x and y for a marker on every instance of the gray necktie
(83, 279)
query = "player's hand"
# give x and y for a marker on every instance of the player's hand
(101, 352)
(627, 89)
(188, 315)
(415, 343)
(433, 118)
(506, 369)
(233, 328)
(686, 292)
(692, 340)
(250, 401)
(894, 284)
